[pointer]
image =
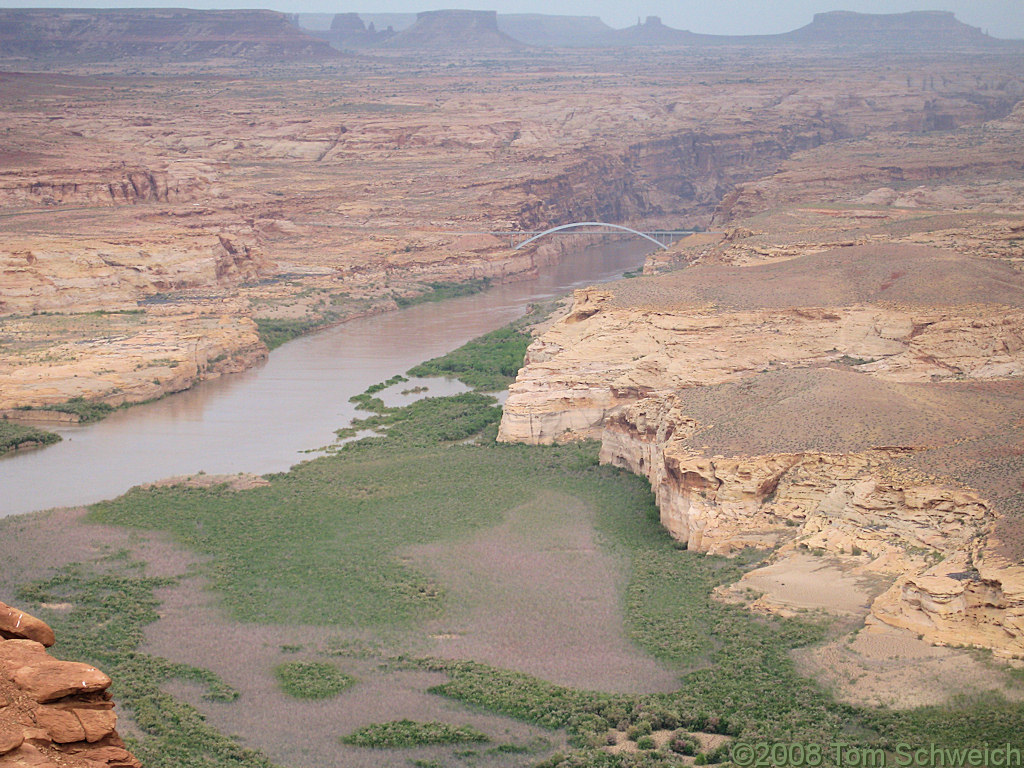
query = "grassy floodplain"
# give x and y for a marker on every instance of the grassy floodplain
(327, 544)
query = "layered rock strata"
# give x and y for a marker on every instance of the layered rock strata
(800, 405)
(880, 309)
(320, 194)
(52, 713)
(952, 586)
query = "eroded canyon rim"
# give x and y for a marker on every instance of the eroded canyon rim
(160, 229)
(838, 374)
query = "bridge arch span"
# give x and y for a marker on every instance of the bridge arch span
(591, 224)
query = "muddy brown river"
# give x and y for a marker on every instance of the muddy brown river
(265, 419)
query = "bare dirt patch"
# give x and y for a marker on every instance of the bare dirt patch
(884, 666)
(874, 665)
(33, 546)
(538, 594)
(303, 732)
(805, 582)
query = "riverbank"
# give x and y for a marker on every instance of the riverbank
(265, 418)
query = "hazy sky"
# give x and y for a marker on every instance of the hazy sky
(1001, 18)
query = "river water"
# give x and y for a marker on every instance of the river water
(263, 420)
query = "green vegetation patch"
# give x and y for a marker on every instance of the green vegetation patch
(87, 411)
(13, 436)
(274, 332)
(488, 363)
(111, 602)
(312, 679)
(375, 388)
(425, 422)
(443, 291)
(410, 733)
(320, 544)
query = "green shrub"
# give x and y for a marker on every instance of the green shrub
(639, 730)
(410, 733)
(645, 742)
(442, 291)
(425, 422)
(14, 436)
(488, 363)
(683, 744)
(312, 679)
(275, 332)
(87, 411)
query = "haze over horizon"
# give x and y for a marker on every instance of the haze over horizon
(999, 18)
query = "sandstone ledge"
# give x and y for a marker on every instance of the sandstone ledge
(786, 407)
(952, 588)
(52, 713)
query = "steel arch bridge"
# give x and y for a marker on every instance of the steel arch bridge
(538, 235)
(652, 236)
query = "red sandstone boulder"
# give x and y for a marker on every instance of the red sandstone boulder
(56, 679)
(18, 624)
(11, 737)
(43, 678)
(53, 714)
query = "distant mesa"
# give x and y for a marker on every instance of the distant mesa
(835, 28)
(544, 31)
(347, 23)
(175, 34)
(478, 30)
(455, 30)
(154, 33)
(900, 29)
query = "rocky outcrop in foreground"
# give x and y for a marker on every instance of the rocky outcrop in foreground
(52, 713)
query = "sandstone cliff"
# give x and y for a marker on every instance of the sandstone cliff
(326, 193)
(898, 314)
(916, 28)
(52, 713)
(834, 402)
(952, 586)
